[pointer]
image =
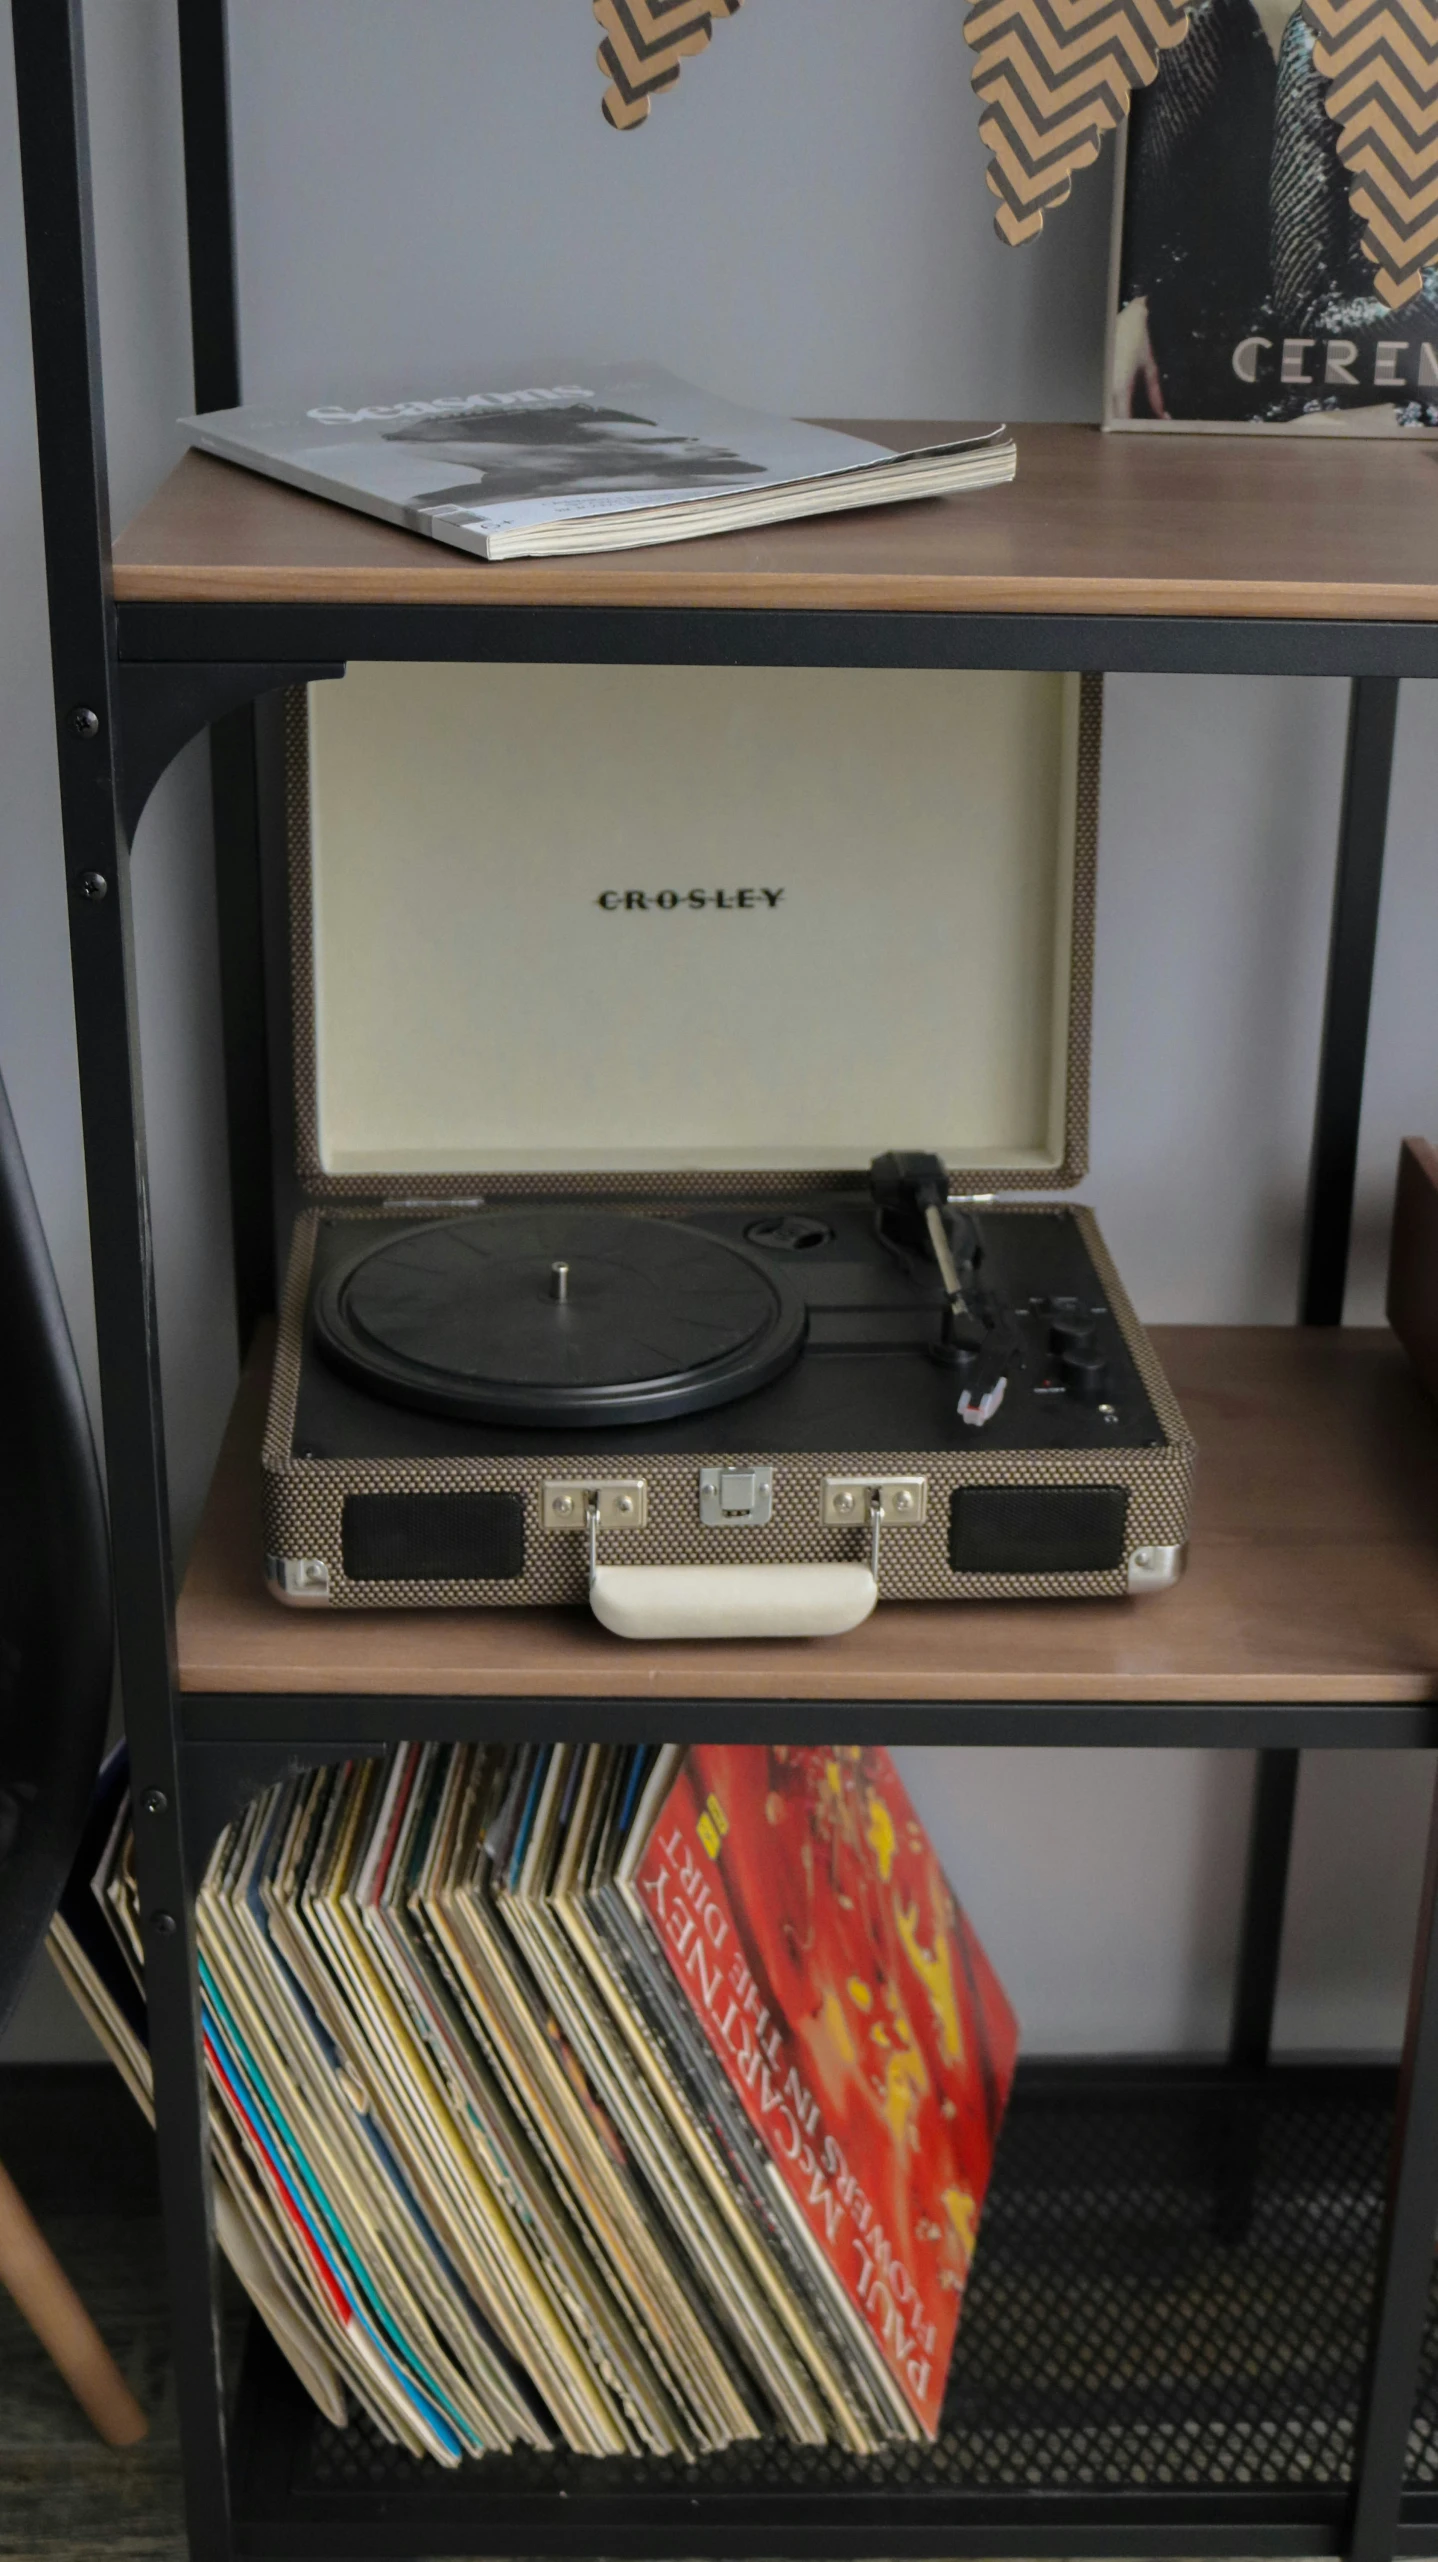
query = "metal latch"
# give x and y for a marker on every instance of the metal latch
(618, 1503)
(736, 1497)
(880, 1502)
(902, 1502)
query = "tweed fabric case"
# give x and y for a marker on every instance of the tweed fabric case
(304, 1499)
(320, 1184)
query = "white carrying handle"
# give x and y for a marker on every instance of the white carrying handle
(732, 1601)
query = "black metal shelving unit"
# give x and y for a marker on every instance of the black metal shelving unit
(1203, 2317)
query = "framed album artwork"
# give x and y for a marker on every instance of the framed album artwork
(1241, 298)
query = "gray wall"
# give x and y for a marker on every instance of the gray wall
(429, 192)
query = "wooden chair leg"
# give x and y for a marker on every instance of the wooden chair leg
(44, 2294)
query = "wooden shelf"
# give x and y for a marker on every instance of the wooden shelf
(1094, 524)
(1313, 1577)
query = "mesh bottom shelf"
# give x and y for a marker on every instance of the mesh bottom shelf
(1165, 2328)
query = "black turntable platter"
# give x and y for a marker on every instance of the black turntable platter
(559, 1316)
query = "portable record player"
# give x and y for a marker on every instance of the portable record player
(669, 1045)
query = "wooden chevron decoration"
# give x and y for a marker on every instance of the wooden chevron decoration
(1380, 59)
(645, 43)
(1053, 77)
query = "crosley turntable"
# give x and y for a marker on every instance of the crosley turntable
(612, 1280)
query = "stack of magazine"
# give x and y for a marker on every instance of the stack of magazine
(594, 459)
(631, 2099)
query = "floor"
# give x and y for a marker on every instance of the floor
(84, 2160)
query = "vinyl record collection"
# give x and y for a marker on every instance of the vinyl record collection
(634, 2099)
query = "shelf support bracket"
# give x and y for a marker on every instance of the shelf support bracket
(218, 1781)
(162, 705)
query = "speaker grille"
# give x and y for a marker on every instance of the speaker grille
(433, 1538)
(1037, 1530)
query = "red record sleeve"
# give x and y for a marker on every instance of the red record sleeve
(799, 1902)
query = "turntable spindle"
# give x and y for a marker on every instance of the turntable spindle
(559, 1282)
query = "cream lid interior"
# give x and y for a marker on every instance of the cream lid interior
(642, 920)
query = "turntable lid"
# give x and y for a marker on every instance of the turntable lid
(647, 921)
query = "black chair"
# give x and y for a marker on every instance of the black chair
(56, 1662)
(56, 1644)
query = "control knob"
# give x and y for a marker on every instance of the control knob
(1084, 1373)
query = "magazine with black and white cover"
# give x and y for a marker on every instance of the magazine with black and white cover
(596, 458)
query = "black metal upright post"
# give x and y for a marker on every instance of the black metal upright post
(1405, 2259)
(1372, 720)
(1270, 1840)
(1362, 832)
(65, 332)
(214, 337)
(209, 202)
